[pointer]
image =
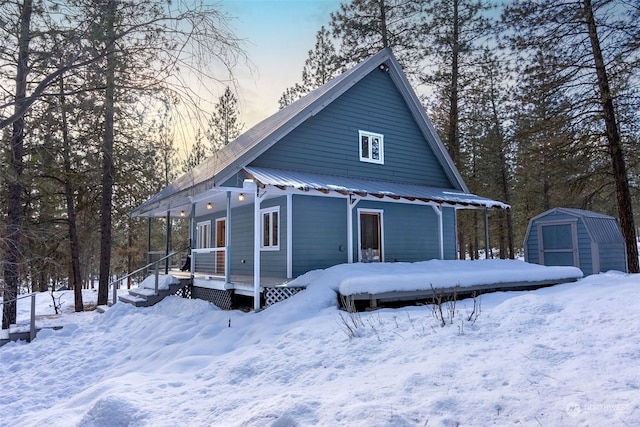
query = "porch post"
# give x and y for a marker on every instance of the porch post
(192, 230)
(486, 233)
(166, 261)
(227, 241)
(351, 203)
(148, 241)
(438, 211)
(256, 247)
(289, 236)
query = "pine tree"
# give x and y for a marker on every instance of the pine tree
(364, 27)
(197, 153)
(488, 104)
(16, 169)
(224, 124)
(320, 66)
(596, 46)
(454, 31)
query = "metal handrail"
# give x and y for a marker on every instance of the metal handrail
(154, 264)
(17, 298)
(32, 321)
(113, 284)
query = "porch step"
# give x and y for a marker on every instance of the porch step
(102, 309)
(4, 337)
(19, 334)
(148, 297)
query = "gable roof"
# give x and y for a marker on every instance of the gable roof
(230, 160)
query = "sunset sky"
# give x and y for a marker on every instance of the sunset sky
(278, 34)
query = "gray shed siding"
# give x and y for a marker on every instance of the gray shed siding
(612, 257)
(599, 242)
(328, 142)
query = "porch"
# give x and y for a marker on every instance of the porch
(231, 293)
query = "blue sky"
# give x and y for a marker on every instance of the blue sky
(278, 35)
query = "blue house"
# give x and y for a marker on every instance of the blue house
(588, 240)
(352, 172)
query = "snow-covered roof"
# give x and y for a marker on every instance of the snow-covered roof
(306, 181)
(228, 161)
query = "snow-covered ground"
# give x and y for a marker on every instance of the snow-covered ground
(561, 356)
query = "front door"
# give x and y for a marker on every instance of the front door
(370, 226)
(221, 242)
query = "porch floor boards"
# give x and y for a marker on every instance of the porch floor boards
(242, 283)
(374, 300)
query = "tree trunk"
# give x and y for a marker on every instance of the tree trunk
(14, 175)
(504, 181)
(107, 157)
(452, 133)
(623, 194)
(383, 25)
(76, 279)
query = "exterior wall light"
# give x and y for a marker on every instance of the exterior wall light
(241, 197)
(209, 206)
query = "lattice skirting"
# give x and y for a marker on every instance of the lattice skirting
(276, 294)
(221, 298)
(185, 292)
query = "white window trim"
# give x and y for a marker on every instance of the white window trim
(269, 211)
(200, 234)
(371, 211)
(371, 135)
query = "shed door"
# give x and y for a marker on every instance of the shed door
(558, 244)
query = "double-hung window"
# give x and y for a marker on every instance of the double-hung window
(203, 235)
(371, 147)
(270, 228)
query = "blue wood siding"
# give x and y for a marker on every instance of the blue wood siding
(272, 263)
(450, 233)
(328, 142)
(242, 240)
(410, 231)
(319, 232)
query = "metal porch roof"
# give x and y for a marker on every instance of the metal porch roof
(380, 189)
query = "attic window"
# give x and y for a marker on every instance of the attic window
(371, 147)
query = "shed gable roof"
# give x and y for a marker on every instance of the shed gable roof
(601, 228)
(230, 160)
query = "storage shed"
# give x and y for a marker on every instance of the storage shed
(574, 237)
